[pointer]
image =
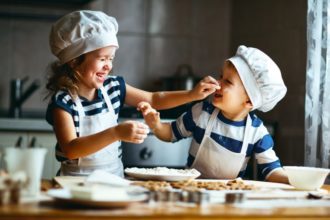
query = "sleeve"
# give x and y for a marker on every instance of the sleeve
(122, 88)
(116, 89)
(265, 155)
(185, 125)
(61, 100)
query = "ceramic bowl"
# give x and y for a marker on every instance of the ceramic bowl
(306, 178)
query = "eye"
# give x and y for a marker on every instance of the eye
(228, 81)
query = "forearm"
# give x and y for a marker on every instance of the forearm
(163, 131)
(170, 99)
(278, 176)
(84, 146)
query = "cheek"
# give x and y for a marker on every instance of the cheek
(224, 89)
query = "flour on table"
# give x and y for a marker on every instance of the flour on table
(162, 171)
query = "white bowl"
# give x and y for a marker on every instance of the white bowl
(306, 178)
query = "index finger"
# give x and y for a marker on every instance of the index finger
(210, 79)
(143, 105)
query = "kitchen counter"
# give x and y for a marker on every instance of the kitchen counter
(36, 124)
(24, 124)
(49, 210)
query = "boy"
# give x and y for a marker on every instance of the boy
(226, 132)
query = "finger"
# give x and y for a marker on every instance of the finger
(148, 111)
(136, 141)
(210, 90)
(156, 116)
(211, 80)
(152, 117)
(141, 125)
(140, 136)
(141, 131)
(140, 106)
(212, 86)
(143, 105)
(139, 139)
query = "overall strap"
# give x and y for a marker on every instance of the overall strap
(107, 99)
(211, 121)
(247, 131)
(80, 108)
(81, 114)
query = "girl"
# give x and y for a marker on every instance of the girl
(86, 101)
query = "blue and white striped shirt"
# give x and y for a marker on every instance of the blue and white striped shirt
(229, 134)
(115, 88)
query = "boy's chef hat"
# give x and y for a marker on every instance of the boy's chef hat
(81, 32)
(261, 77)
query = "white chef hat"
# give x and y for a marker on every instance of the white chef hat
(261, 77)
(81, 32)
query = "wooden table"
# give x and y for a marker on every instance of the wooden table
(48, 210)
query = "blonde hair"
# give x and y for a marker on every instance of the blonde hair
(63, 77)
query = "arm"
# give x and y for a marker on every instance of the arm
(162, 131)
(278, 176)
(170, 99)
(74, 147)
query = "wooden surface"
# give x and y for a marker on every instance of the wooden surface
(50, 210)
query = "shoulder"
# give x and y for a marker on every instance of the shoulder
(112, 81)
(64, 99)
(201, 111)
(203, 106)
(261, 133)
(115, 85)
(61, 99)
(256, 121)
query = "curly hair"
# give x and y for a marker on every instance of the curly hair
(63, 77)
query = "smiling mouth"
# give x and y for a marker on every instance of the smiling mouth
(100, 76)
(217, 95)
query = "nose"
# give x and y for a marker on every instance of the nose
(108, 66)
(219, 82)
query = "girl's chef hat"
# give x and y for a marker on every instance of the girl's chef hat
(261, 77)
(81, 32)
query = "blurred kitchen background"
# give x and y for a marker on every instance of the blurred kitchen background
(164, 40)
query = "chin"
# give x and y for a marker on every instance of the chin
(98, 85)
(216, 104)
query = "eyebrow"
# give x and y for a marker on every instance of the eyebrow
(105, 55)
(227, 80)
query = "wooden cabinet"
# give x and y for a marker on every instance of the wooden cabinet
(45, 140)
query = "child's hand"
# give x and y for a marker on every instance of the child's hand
(132, 131)
(204, 88)
(150, 115)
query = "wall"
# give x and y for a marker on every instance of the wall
(278, 27)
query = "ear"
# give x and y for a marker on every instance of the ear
(73, 63)
(248, 104)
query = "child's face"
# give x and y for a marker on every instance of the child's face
(95, 67)
(231, 98)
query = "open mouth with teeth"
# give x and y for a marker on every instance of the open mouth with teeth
(100, 76)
